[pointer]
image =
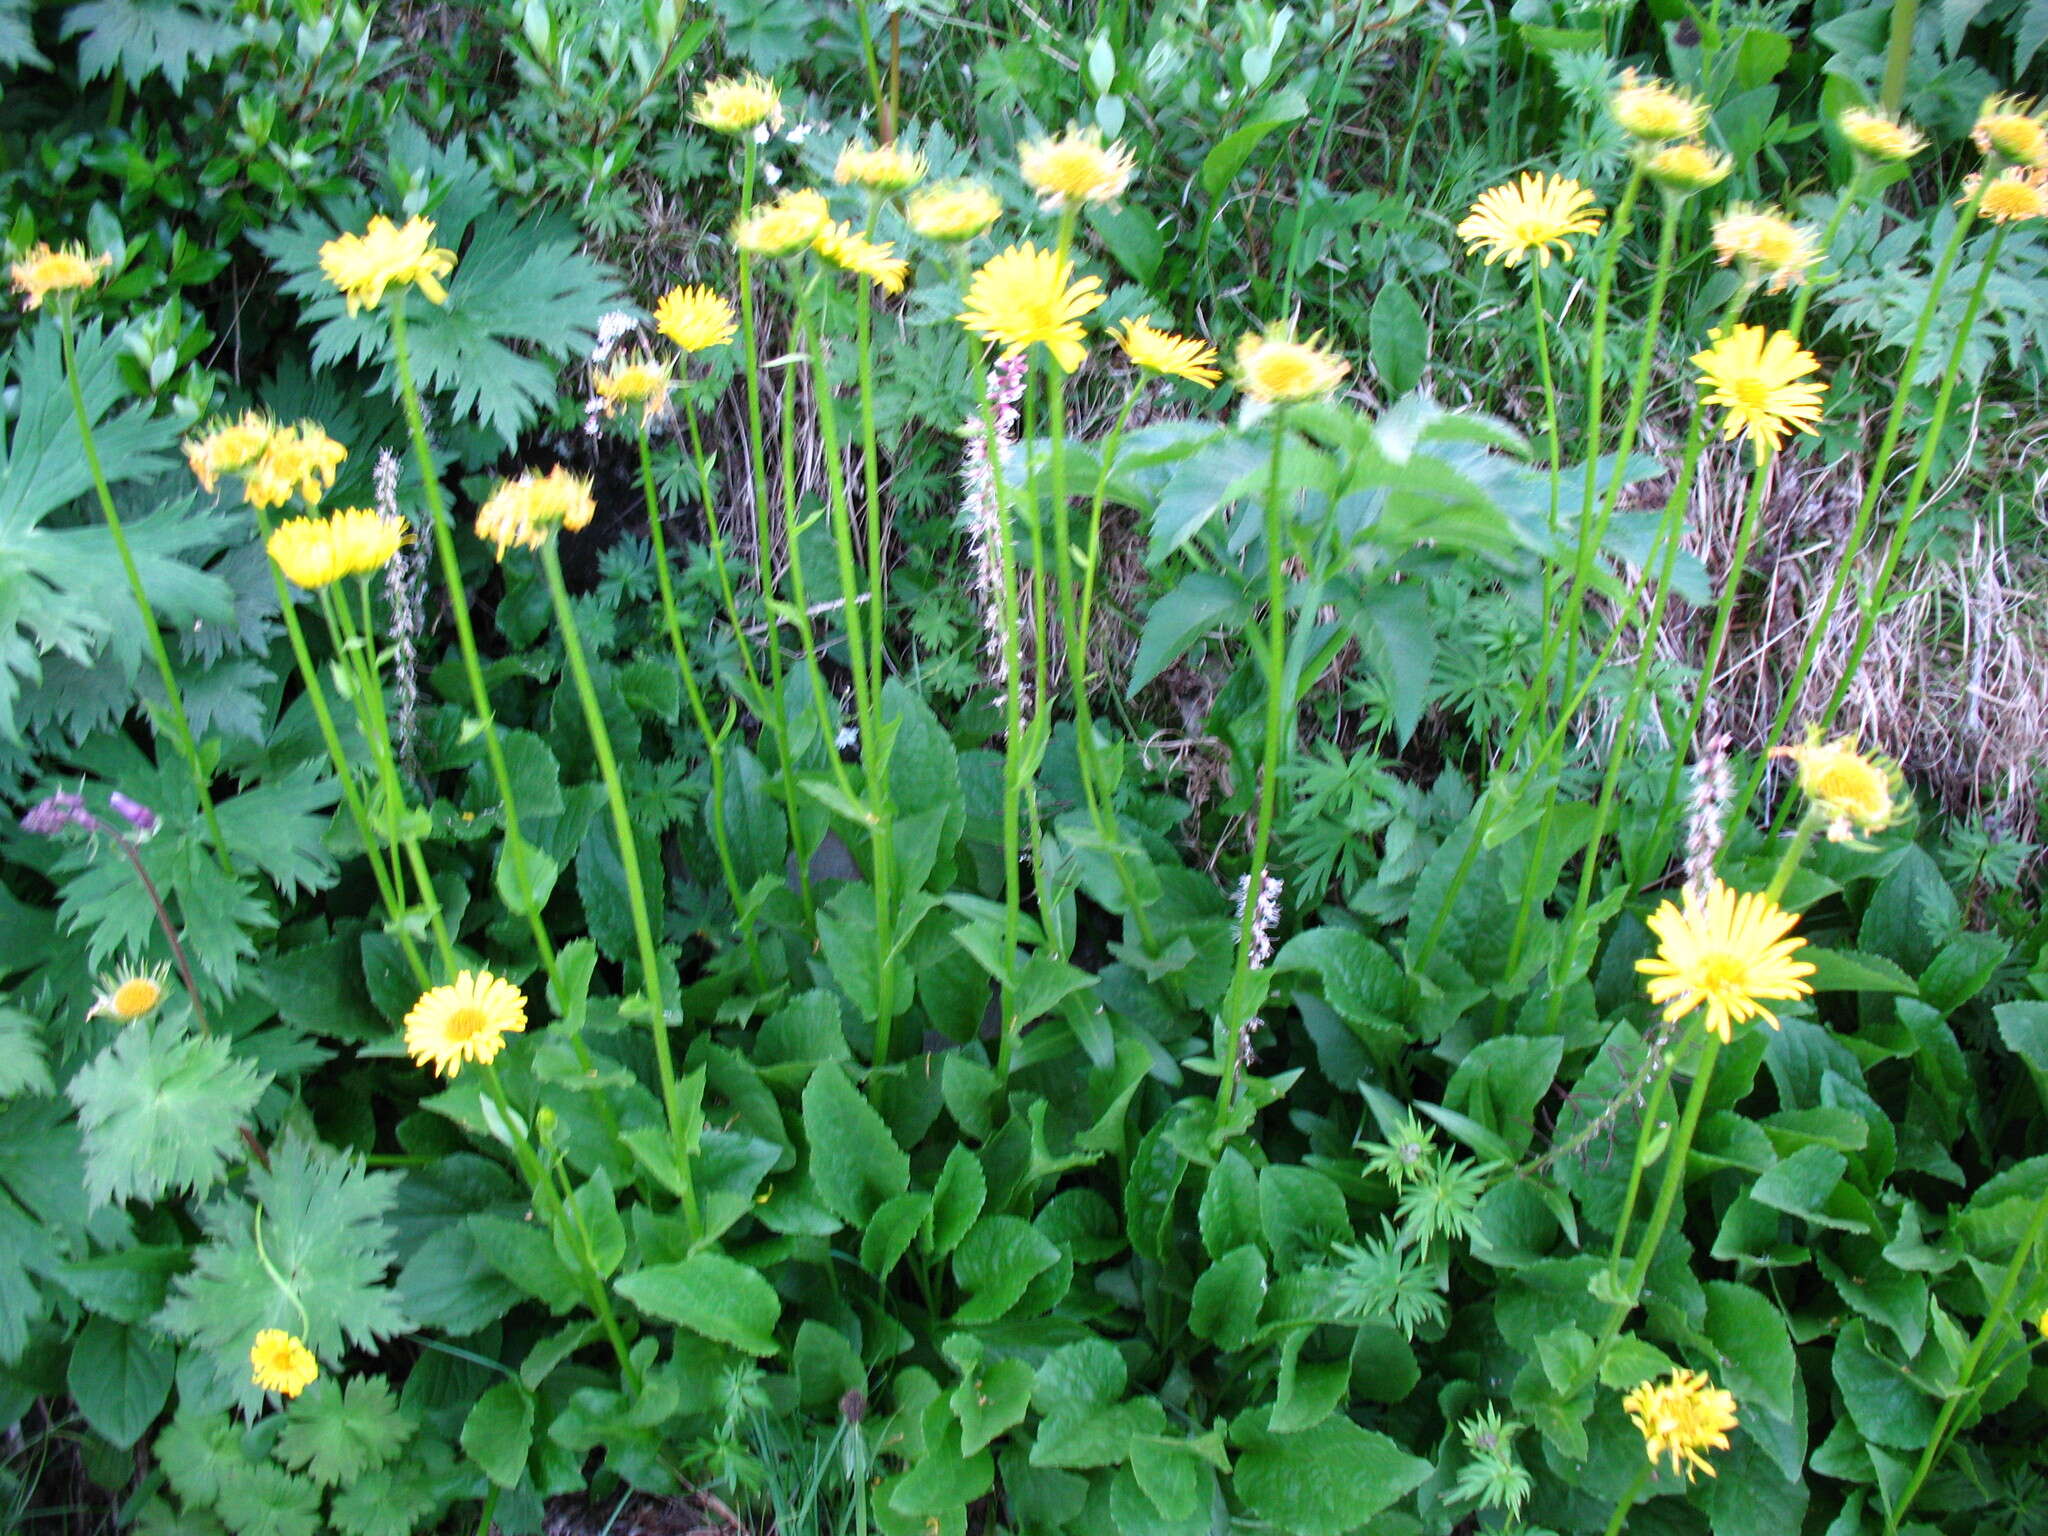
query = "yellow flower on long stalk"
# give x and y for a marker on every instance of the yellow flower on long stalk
(1856, 791)
(2009, 127)
(1025, 296)
(299, 460)
(735, 103)
(524, 512)
(130, 994)
(1683, 1417)
(226, 447)
(1759, 376)
(467, 1020)
(953, 211)
(633, 378)
(45, 271)
(1770, 248)
(387, 255)
(1649, 109)
(303, 548)
(783, 227)
(1880, 137)
(2013, 196)
(1278, 368)
(851, 251)
(1157, 351)
(1687, 167)
(1729, 951)
(878, 168)
(279, 1363)
(364, 540)
(695, 319)
(1076, 167)
(1528, 217)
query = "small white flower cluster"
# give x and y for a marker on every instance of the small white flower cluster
(1706, 817)
(405, 592)
(1265, 918)
(979, 509)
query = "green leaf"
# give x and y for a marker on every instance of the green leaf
(120, 1377)
(1394, 625)
(1228, 156)
(1801, 1184)
(1324, 1481)
(1088, 1374)
(141, 38)
(2023, 1026)
(1887, 1408)
(995, 1263)
(889, 1233)
(992, 1400)
(1399, 339)
(756, 826)
(1301, 1213)
(337, 1433)
(23, 1067)
(1360, 979)
(266, 1500)
(720, 1298)
(1199, 603)
(855, 1162)
(525, 1255)
(957, 1200)
(1848, 970)
(1749, 1334)
(498, 1434)
(1229, 1214)
(1228, 1297)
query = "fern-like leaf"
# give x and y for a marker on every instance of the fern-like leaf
(23, 1068)
(141, 38)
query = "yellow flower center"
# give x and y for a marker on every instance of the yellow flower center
(1285, 372)
(135, 997)
(1851, 784)
(465, 1024)
(1722, 973)
(1751, 393)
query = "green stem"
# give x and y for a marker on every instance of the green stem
(726, 591)
(1898, 54)
(1653, 1107)
(1794, 854)
(1629, 1496)
(871, 475)
(1013, 742)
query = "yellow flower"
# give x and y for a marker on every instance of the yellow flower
(1682, 1417)
(301, 458)
(363, 266)
(303, 548)
(1756, 375)
(851, 251)
(2008, 126)
(1650, 109)
(226, 447)
(128, 995)
(1856, 791)
(278, 1362)
(1076, 167)
(1770, 246)
(1521, 218)
(1276, 367)
(466, 1020)
(884, 168)
(2013, 196)
(364, 541)
(1026, 295)
(1156, 351)
(525, 511)
(954, 211)
(783, 227)
(1688, 167)
(45, 271)
(633, 378)
(735, 103)
(1727, 950)
(695, 319)
(1880, 137)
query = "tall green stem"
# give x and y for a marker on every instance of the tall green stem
(1013, 742)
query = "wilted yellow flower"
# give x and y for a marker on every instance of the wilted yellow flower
(1275, 366)
(1856, 791)
(1527, 217)
(525, 511)
(128, 995)
(1728, 950)
(1650, 109)
(467, 1020)
(633, 378)
(2009, 126)
(1076, 167)
(1770, 247)
(1688, 167)
(364, 541)
(1024, 296)
(2013, 196)
(302, 459)
(278, 1362)
(850, 251)
(954, 211)
(1880, 137)
(695, 319)
(1156, 351)
(1756, 374)
(880, 168)
(735, 103)
(363, 266)
(1683, 1417)
(303, 548)
(226, 447)
(45, 271)
(783, 227)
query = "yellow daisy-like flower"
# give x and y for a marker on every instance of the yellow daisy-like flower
(1688, 167)
(387, 255)
(226, 447)
(1880, 137)
(303, 548)
(278, 1362)
(523, 512)
(879, 168)
(467, 1020)
(851, 251)
(364, 541)
(1683, 1417)
(954, 211)
(1278, 368)
(128, 995)
(1156, 351)
(45, 271)
(1757, 375)
(633, 378)
(735, 103)
(783, 227)
(1728, 950)
(1771, 248)
(1649, 109)
(1076, 167)
(1024, 296)
(1521, 218)
(301, 459)
(695, 319)
(2013, 196)
(1856, 791)
(2008, 126)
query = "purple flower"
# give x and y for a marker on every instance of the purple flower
(135, 813)
(51, 815)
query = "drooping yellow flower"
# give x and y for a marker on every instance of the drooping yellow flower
(2013, 196)
(633, 378)
(300, 459)
(525, 511)
(1731, 951)
(1687, 167)
(1757, 375)
(1771, 248)
(878, 168)
(783, 227)
(1880, 137)
(1521, 218)
(954, 211)
(1076, 167)
(851, 251)
(1856, 791)
(387, 255)
(364, 540)
(303, 548)
(695, 319)
(735, 103)
(2009, 127)
(45, 271)
(226, 447)
(1683, 1417)
(467, 1020)
(1156, 351)
(278, 1362)
(129, 994)
(1025, 296)
(1278, 368)
(1649, 109)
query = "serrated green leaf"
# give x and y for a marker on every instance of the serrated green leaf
(335, 1434)
(707, 1293)
(855, 1161)
(120, 1377)
(498, 1433)
(23, 1068)
(1324, 1481)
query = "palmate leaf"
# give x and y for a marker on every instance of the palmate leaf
(23, 1068)
(143, 37)
(335, 1434)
